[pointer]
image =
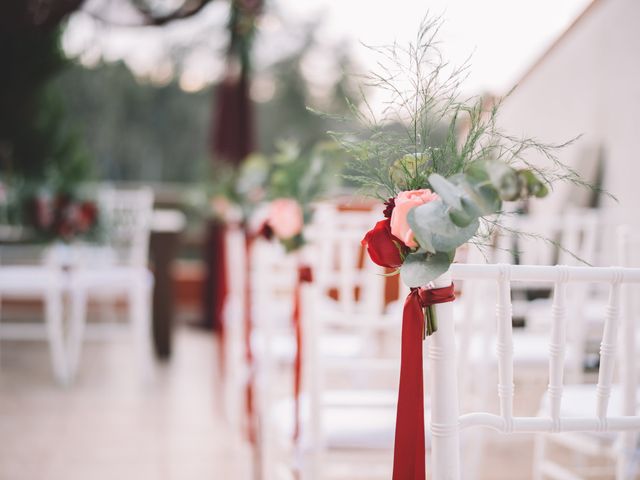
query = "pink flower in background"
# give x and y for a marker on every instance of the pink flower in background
(404, 202)
(285, 218)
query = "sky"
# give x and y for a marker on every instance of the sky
(503, 37)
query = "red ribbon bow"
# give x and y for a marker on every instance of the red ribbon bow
(409, 448)
(305, 275)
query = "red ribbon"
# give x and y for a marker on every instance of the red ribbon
(248, 352)
(409, 448)
(220, 292)
(305, 275)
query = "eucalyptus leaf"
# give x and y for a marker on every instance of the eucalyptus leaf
(532, 185)
(504, 179)
(481, 198)
(448, 192)
(464, 216)
(419, 269)
(434, 229)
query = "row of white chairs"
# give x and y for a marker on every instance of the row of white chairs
(65, 278)
(352, 338)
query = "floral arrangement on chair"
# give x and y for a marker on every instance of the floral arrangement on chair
(439, 162)
(296, 179)
(443, 168)
(61, 216)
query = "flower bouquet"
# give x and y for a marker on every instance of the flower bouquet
(444, 170)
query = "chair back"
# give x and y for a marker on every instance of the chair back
(125, 218)
(350, 339)
(535, 239)
(446, 421)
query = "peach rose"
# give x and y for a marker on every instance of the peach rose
(405, 201)
(285, 218)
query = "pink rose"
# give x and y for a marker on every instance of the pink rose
(404, 202)
(285, 218)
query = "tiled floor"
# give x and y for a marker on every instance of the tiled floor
(110, 425)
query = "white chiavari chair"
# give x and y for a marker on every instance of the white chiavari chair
(446, 422)
(120, 272)
(25, 275)
(235, 371)
(619, 449)
(343, 323)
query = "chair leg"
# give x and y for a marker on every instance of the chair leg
(539, 452)
(78, 321)
(140, 317)
(53, 318)
(626, 448)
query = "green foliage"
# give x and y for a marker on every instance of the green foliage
(37, 141)
(137, 131)
(303, 175)
(419, 269)
(441, 132)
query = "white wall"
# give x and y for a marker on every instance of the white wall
(589, 84)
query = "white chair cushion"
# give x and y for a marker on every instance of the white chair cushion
(283, 347)
(351, 419)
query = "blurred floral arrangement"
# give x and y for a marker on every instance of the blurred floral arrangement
(446, 171)
(61, 216)
(45, 214)
(296, 179)
(272, 195)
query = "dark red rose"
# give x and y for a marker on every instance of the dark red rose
(389, 206)
(266, 231)
(383, 248)
(86, 217)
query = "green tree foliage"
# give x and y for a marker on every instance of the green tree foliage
(36, 143)
(139, 131)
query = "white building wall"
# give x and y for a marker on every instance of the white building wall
(589, 84)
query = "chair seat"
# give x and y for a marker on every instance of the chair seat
(580, 401)
(29, 280)
(283, 347)
(351, 419)
(111, 278)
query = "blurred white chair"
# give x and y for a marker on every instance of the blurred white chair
(622, 449)
(235, 369)
(119, 272)
(447, 423)
(339, 294)
(37, 282)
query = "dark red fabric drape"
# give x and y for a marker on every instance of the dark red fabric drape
(409, 447)
(248, 327)
(305, 275)
(232, 138)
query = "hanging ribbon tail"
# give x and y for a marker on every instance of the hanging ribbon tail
(220, 298)
(305, 275)
(409, 448)
(248, 326)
